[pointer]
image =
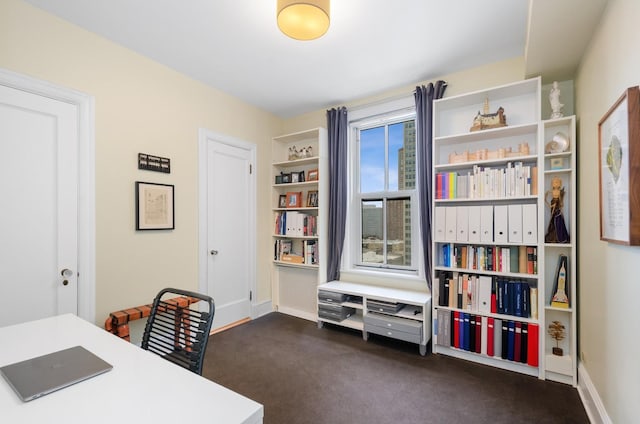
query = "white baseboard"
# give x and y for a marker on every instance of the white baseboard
(298, 313)
(590, 398)
(262, 309)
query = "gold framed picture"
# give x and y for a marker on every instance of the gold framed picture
(294, 199)
(312, 175)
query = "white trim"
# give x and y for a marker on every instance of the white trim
(204, 136)
(261, 309)
(86, 175)
(590, 398)
(298, 313)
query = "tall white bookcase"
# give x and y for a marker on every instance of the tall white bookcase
(295, 277)
(489, 205)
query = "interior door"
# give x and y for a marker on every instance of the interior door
(39, 191)
(230, 211)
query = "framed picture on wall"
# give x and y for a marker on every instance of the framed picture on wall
(154, 206)
(619, 154)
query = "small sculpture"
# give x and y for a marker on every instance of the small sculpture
(293, 153)
(559, 143)
(560, 298)
(556, 331)
(486, 120)
(557, 230)
(309, 152)
(554, 99)
(302, 153)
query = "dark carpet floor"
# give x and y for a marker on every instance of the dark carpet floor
(302, 374)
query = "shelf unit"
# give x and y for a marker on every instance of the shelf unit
(561, 368)
(489, 201)
(295, 276)
(411, 323)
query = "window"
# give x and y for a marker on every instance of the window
(383, 219)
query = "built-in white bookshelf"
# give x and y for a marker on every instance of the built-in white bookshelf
(490, 219)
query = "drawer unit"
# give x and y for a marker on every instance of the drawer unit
(327, 296)
(334, 312)
(398, 328)
(383, 306)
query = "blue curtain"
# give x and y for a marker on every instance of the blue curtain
(337, 133)
(424, 97)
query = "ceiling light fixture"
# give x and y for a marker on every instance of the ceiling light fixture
(303, 20)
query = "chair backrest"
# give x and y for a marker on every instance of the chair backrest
(177, 331)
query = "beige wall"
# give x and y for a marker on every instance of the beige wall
(140, 106)
(608, 285)
(473, 79)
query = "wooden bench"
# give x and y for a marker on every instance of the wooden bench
(118, 322)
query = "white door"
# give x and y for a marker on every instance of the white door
(230, 232)
(39, 220)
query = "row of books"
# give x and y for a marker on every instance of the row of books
(515, 180)
(293, 223)
(516, 259)
(499, 338)
(306, 254)
(487, 294)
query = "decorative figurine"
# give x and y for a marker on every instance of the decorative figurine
(556, 331)
(554, 99)
(560, 298)
(557, 230)
(486, 120)
(293, 153)
(302, 153)
(309, 152)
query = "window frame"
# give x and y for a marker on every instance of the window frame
(353, 242)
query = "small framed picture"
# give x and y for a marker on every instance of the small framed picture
(294, 199)
(556, 163)
(301, 176)
(312, 175)
(312, 198)
(286, 178)
(279, 179)
(154, 206)
(282, 201)
(295, 177)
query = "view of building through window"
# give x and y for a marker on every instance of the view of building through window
(387, 176)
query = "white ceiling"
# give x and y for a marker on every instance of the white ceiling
(372, 46)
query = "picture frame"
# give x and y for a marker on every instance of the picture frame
(619, 181)
(556, 163)
(286, 178)
(312, 175)
(294, 199)
(295, 177)
(282, 201)
(301, 178)
(155, 206)
(312, 198)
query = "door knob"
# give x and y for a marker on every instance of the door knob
(66, 273)
(214, 252)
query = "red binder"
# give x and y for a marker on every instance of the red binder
(532, 351)
(456, 329)
(490, 335)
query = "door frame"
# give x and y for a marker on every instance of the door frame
(86, 179)
(204, 137)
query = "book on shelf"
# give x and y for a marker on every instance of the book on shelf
(532, 346)
(514, 180)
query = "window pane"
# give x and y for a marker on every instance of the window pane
(372, 171)
(399, 232)
(372, 232)
(402, 155)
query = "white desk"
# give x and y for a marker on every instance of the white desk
(142, 387)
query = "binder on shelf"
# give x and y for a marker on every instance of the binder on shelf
(497, 338)
(532, 346)
(490, 336)
(524, 343)
(500, 224)
(517, 341)
(514, 223)
(462, 223)
(511, 329)
(472, 333)
(474, 224)
(486, 224)
(529, 224)
(479, 338)
(484, 293)
(505, 339)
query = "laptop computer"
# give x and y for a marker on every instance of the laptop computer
(44, 374)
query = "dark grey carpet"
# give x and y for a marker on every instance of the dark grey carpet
(302, 374)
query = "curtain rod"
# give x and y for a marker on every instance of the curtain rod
(384, 100)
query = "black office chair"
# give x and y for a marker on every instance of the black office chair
(178, 331)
